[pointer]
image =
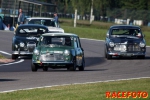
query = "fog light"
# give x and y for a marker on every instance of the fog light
(109, 49)
(67, 58)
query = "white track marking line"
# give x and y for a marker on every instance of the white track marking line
(73, 84)
(5, 52)
(12, 62)
(20, 61)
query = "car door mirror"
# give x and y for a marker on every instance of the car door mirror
(107, 35)
(143, 35)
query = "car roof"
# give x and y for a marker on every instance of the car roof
(124, 26)
(38, 18)
(59, 34)
(31, 25)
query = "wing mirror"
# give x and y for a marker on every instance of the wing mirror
(107, 35)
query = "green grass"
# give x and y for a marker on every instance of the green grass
(1, 57)
(93, 91)
(86, 32)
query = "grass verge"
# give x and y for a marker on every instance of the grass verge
(1, 57)
(93, 91)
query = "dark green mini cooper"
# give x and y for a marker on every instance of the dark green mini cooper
(58, 50)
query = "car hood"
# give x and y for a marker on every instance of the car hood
(127, 39)
(46, 49)
(26, 38)
(55, 29)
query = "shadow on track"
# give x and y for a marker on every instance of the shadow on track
(5, 80)
(130, 58)
(91, 61)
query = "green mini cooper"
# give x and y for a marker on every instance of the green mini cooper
(58, 50)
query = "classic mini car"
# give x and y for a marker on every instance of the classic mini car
(58, 50)
(49, 22)
(125, 40)
(25, 39)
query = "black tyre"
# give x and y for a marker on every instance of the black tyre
(105, 53)
(45, 68)
(141, 57)
(109, 56)
(73, 66)
(34, 67)
(81, 68)
(14, 56)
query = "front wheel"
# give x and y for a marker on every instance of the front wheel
(81, 68)
(34, 67)
(14, 56)
(109, 56)
(45, 68)
(141, 57)
(105, 53)
(73, 66)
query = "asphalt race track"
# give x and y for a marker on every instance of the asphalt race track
(20, 76)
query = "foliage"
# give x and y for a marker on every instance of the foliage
(122, 9)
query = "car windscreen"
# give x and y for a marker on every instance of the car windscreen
(46, 22)
(28, 31)
(56, 40)
(129, 32)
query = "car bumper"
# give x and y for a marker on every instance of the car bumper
(126, 53)
(22, 53)
(51, 63)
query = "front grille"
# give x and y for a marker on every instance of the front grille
(133, 47)
(31, 45)
(127, 47)
(52, 57)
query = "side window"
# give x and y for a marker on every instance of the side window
(78, 42)
(75, 43)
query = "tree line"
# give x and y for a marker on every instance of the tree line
(133, 9)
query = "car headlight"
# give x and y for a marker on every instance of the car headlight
(36, 52)
(62, 31)
(22, 44)
(67, 52)
(111, 44)
(142, 44)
